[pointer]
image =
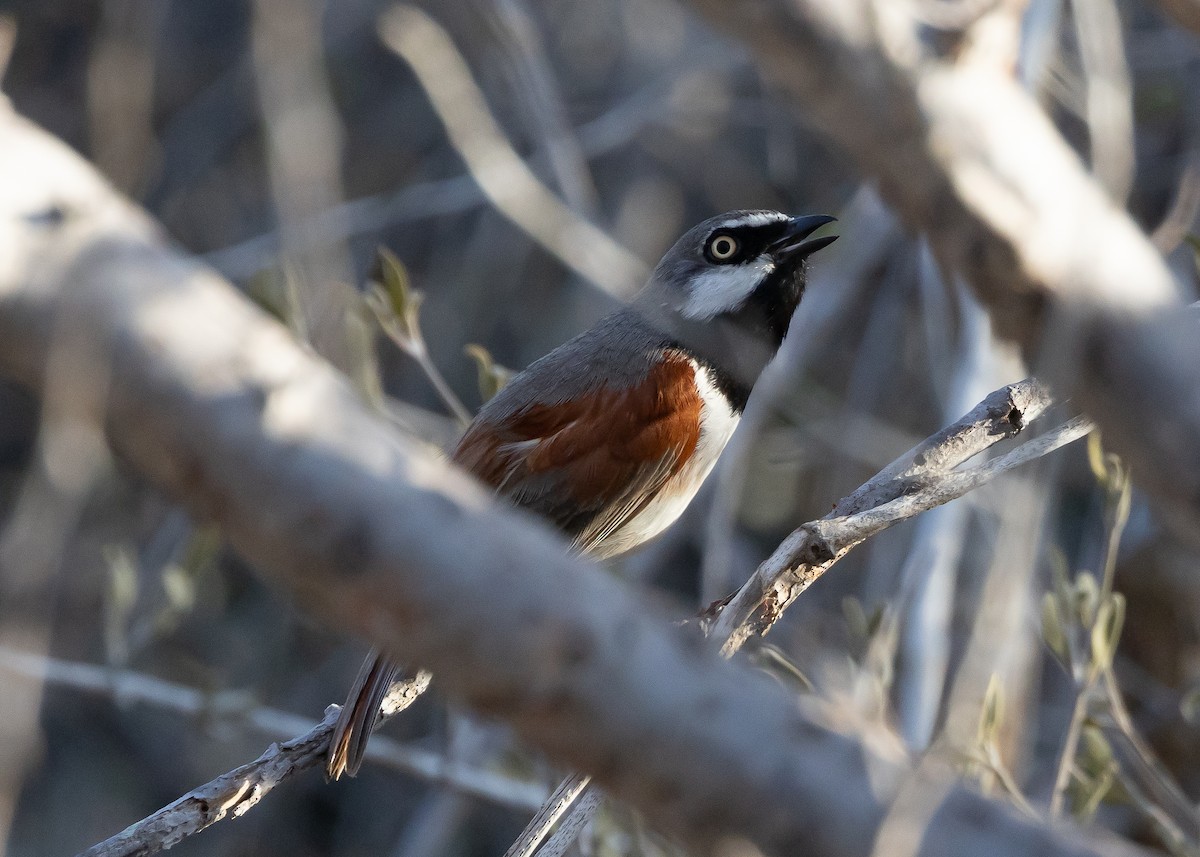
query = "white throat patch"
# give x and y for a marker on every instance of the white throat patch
(724, 288)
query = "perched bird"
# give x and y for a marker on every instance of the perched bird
(610, 435)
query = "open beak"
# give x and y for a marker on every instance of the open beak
(792, 245)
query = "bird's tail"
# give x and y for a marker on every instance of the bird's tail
(360, 714)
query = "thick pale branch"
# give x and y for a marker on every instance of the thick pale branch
(219, 407)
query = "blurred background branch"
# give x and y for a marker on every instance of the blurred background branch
(496, 168)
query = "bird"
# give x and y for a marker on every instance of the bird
(610, 435)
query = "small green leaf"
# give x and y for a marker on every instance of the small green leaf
(402, 298)
(875, 620)
(1060, 571)
(1092, 794)
(1095, 753)
(1106, 633)
(1124, 497)
(492, 376)
(274, 291)
(1052, 629)
(1096, 772)
(773, 661)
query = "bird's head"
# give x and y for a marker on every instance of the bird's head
(729, 286)
(744, 265)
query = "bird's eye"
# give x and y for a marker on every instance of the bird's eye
(722, 248)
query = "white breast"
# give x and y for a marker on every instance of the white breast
(717, 422)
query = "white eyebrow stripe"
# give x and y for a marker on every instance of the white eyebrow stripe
(724, 288)
(755, 218)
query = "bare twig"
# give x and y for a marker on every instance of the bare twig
(540, 94)
(299, 734)
(1140, 765)
(231, 794)
(573, 803)
(411, 341)
(1181, 216)
(1066, 758)
(810, 550)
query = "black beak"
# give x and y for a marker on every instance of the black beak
(793, 247)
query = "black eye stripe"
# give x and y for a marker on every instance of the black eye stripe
(751, 239)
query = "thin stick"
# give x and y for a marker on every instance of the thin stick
(235, 792)
(417, 350)
(1066, 760)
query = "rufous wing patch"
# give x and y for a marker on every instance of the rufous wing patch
(594, 461)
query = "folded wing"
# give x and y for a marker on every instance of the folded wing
(591, 464)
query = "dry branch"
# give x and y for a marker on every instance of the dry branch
(230, 794)
(218, 406)
(234, 793)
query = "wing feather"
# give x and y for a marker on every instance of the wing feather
(592, 464)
